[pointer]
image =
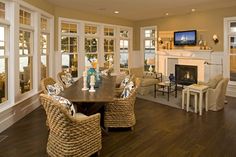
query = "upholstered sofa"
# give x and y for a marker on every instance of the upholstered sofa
(216, 92)
(148, 80)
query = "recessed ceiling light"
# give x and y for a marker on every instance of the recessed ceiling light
(116, 12)
(167, 14)
(193, 10)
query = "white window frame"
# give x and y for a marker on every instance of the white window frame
(100, 35)
(142, 44)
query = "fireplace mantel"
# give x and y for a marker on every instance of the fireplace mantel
(166, 60)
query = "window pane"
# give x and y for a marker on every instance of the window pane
(70, 61)
(90, 30)
(108, 31)
(25, 17)
(24, 43)
(25, 73)
(68, 28)
(124, 53)
(91, 45)
(124, 33)
(3, 79)
(44, 56)
(44, 24)
(109, 60)
(108, 45)
(233, 27)
(2, 10)
(44, 66)
(150, 33)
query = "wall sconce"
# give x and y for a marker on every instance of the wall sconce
(215, 38)
(160, 40)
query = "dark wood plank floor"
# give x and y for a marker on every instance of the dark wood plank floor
(161, 131)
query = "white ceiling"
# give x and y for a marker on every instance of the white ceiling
(142, 9)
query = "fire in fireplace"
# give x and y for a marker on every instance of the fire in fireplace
(185, 74)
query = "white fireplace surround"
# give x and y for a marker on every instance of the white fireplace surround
(166, 60)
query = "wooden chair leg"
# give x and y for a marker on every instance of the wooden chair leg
(132, 128)
(98, 153)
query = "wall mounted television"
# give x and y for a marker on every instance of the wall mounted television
(182, 38)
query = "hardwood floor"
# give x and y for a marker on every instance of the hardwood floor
(161, 131)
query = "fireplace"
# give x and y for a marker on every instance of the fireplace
(185, 74)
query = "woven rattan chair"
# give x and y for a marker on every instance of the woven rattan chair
(60, 79)
(45, 82)
(120, 113)
(70, 136)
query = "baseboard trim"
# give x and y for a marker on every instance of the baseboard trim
(17, 112)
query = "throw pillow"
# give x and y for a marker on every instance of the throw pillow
(127, 90)
(54, 89)
(65, 103)
(67, 79)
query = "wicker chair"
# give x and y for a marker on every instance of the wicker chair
(60, 79)
(120, 113)
(70, 136)
(45, 82)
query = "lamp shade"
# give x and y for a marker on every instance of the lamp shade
(150, 61)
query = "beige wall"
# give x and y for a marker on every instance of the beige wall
(206, 23)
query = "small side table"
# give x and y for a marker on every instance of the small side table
(167, 87)
(201, 90)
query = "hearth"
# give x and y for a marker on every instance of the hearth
(185, 74)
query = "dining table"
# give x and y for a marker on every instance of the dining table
(89, 102)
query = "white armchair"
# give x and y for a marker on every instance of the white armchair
(216, 96)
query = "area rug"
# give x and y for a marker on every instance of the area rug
(162, 99)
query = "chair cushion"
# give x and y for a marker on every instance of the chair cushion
(80, 115)
(212, 83)
(127, 90)
(54, 89)
(148, 82)
(65, 103)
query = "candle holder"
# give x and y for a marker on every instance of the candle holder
(85, 81)
(92, 83)
(92, 87)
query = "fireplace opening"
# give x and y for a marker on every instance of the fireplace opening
(185, 74)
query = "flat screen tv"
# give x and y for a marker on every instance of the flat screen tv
(182, 38)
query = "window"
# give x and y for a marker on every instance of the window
(3, 65)
(91, 44)
(92, 30)
(25, 53)
(124, 53)
(124, 49)
(69, 48)
(25, 17)
(149, 50)
(25, 61)
(91, 50)
(2, 10)
(109, 47)
(109, 32)
(44, 47)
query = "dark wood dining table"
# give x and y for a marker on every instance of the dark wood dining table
(104, 93)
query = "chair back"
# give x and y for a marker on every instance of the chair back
(59, 77)
(57, 117)
(137, 72)
(45, 82)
